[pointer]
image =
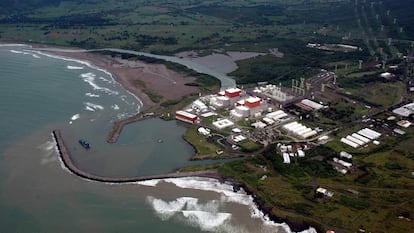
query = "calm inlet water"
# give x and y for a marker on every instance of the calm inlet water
(37, 194)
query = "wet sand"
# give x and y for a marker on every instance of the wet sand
(136, 76)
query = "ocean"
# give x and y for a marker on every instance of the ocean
(40, 93)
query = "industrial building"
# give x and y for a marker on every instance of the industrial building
(223, 123)
(259, 125)
(277, 115)
(404, 123)
(405, 110)
(226, 98)
(250, 107)
(299, 130)
(344, 154)
(199, 106)
(274, 92)
(312, 104)
(309, 105)
(324, 192)
(204, 131)
(360, 138)
(186, 117)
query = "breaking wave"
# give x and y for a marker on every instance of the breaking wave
(204, 216)
(90, 78)
(93, 67)
(24, 53)
(227, 195)
(115, 107)
(93, 107)
(74, 67)
(75, 117)
(92, 95)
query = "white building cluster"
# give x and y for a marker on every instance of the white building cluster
(288, 151)
(249, 107)
(361, 138)
(274, 92)
(299, 130)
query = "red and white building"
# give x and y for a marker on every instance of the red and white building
(186, 117)
(247, 108)
(232, 92)
(226, 98)
(252, 102)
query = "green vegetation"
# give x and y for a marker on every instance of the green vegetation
(200, 144)
(289, 189)
(250, 146)
(374, 194)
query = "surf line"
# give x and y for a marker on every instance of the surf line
(68, 163)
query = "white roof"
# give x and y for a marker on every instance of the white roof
(233, 90)
(345, 155)
(309, 134)
(286, 158)
(356, 140)
(224, 123)
(253, 99)
(259, 124)
(349, 143)
(362, 138)
(236, 130)
(312, 104)
(405, 110)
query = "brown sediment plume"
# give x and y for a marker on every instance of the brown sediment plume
(67, 161)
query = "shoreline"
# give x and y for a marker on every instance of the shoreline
(65, 158)
(209, 174)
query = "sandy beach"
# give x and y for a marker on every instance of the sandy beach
(135, 76)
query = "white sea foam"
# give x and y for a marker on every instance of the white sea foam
(74, 67)
(227, 195)
(89, 109)
(105, 80)
(204, 216)
(93, 67)
(92, 95)
(167, 209)
(16, 52)
(205, 220)
(75, 117)
(115, 107)
(90, 78)
(24, 52)
(90, 106)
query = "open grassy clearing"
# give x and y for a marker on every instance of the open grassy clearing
(383, 94)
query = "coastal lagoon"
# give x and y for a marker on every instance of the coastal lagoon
(40, 93)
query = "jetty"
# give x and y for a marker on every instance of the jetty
(116, 130)
(69, 164)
